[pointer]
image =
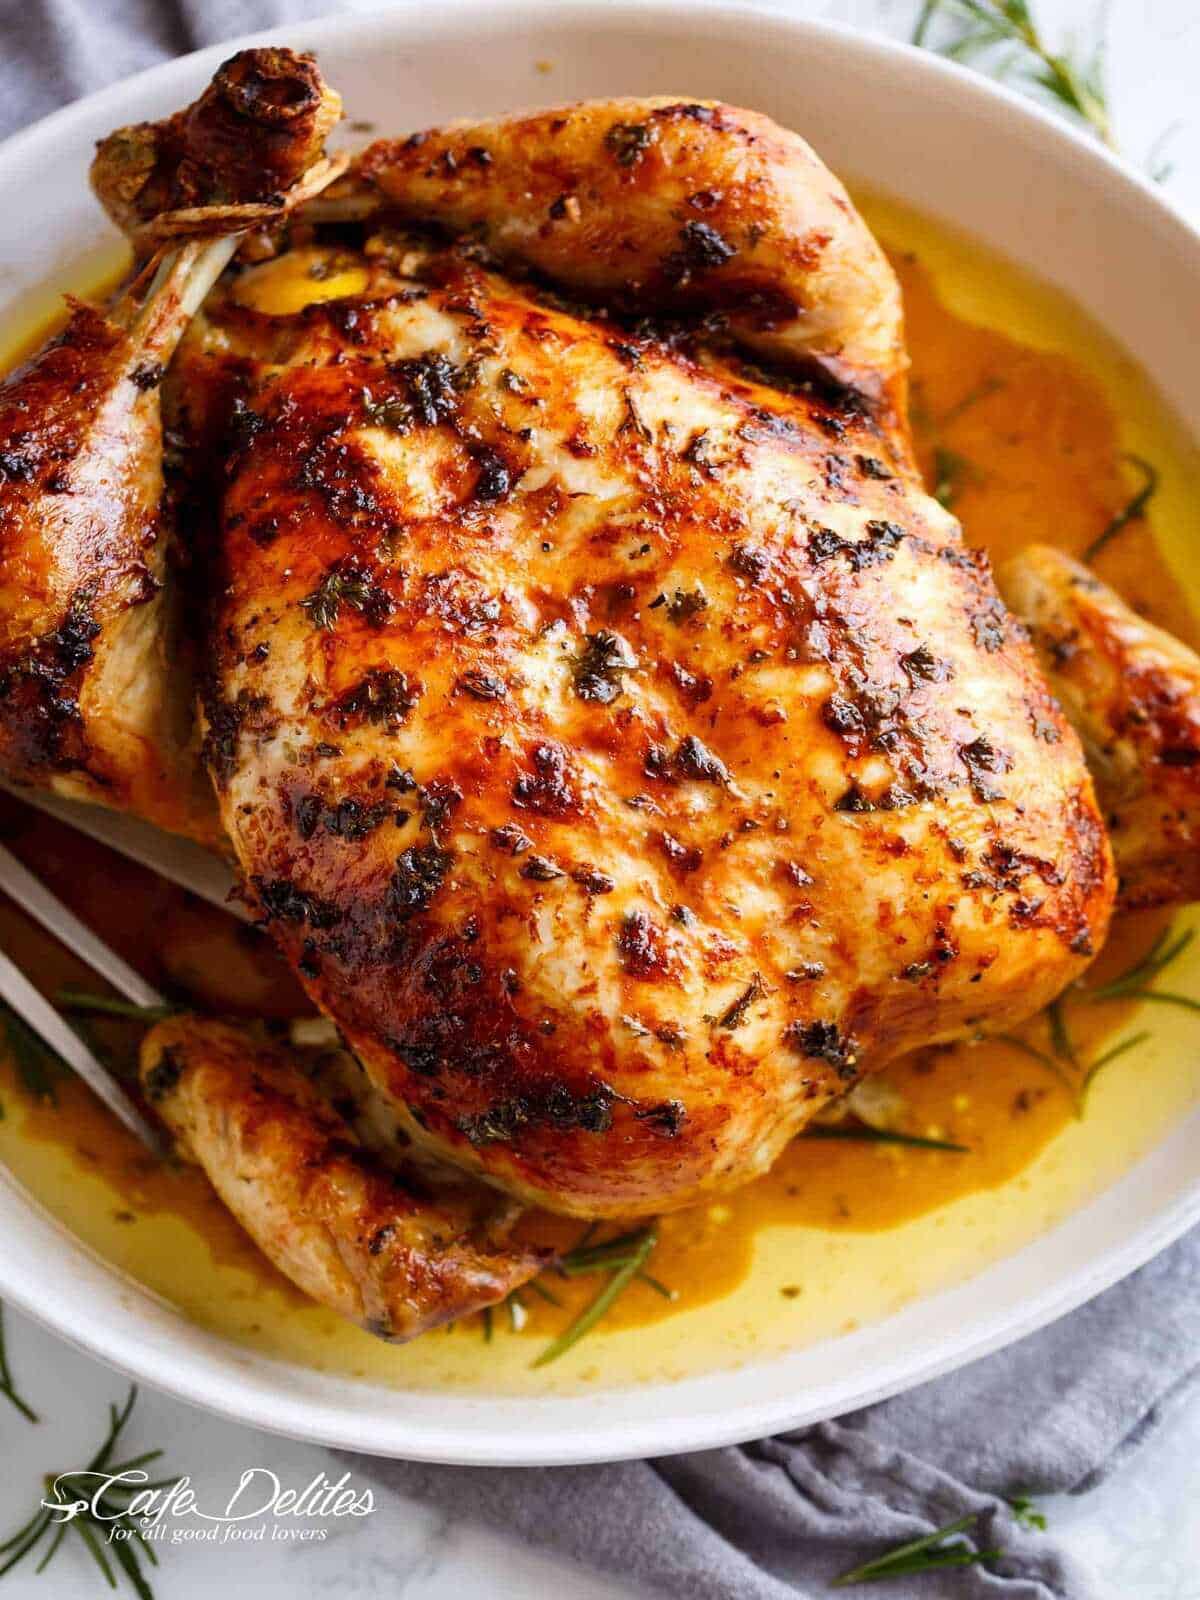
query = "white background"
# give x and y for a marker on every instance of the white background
(1140, 1531)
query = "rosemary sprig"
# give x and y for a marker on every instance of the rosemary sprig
(950, 471)
(934, 1553)
(604, 1257)
(1026, 1513)
(1043, 1059)
(1133, 508)
(1060, 1036)
(864, 1135)
(1102, 1061)
(87, 1003)
(982, 391)
(631, 1264)
(984, 27)
(37, 1065)
(96, 1520)
(7, 1387)
(1132, 984)
(1134, 980)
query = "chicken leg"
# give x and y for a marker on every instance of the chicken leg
(96, 701)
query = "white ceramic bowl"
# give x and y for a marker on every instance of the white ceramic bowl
(961, 149)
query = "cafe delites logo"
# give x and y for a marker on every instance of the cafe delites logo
(260, 1509)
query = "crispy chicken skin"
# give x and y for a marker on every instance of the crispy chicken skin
(622, 747)
(96, 697)
(628, 754)
(91, 703)
(376, 1244)
(1132, 692)
(667, 205)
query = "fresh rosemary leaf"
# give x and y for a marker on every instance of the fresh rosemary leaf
(864, 1135)
(1005, 33)
(1060, 1037)
(83, 1000)
(1102, 1061)
(981, 391)
(658, 1286)
(600, 1257)
(37, 1065)
(599, 1307)
(7, 1387)
(1026, 1513)
(1164, 997)
(936, 1551)
(94, 1524)
(1015, 1042)
(540, 1289)
(949, 472)
(1134, 979)
(1133, 508)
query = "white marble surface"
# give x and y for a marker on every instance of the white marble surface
(1139, 1531)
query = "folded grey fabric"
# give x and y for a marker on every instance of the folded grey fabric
(780, 1518)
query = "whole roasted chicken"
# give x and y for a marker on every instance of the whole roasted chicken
(622, 747)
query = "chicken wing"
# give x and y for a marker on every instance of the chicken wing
(665, 205)
(377, 1244)
(1132, 692)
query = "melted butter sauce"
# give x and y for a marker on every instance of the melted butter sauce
(1022, 410)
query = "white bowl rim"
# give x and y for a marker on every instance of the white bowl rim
(255, 1390)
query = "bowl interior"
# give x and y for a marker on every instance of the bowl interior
(960, 150)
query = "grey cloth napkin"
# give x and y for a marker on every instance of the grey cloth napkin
(780, 1518)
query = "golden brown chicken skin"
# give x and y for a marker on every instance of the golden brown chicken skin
(377, 1244)
(627, 753)
(669, 205)
(89, 702)
(96, 689)
(1132, 692)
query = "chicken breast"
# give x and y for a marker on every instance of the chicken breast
(625, 749)
(375, 1243)
(1132, 693)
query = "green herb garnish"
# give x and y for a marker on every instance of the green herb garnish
(83, 1000)
(1006, 33)
(1133, 508)
(7, 1387)
(37, 1065)
(1026, 1513)
(95, 1521)
(1043, 1060)
(346, 583)
(934, 1553)
(1131, 984)
(1060, 1036)
(950, 471)
(625, 1257)
(1102, 1061)
(862, 1134)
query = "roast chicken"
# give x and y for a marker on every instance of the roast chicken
(623, 748)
